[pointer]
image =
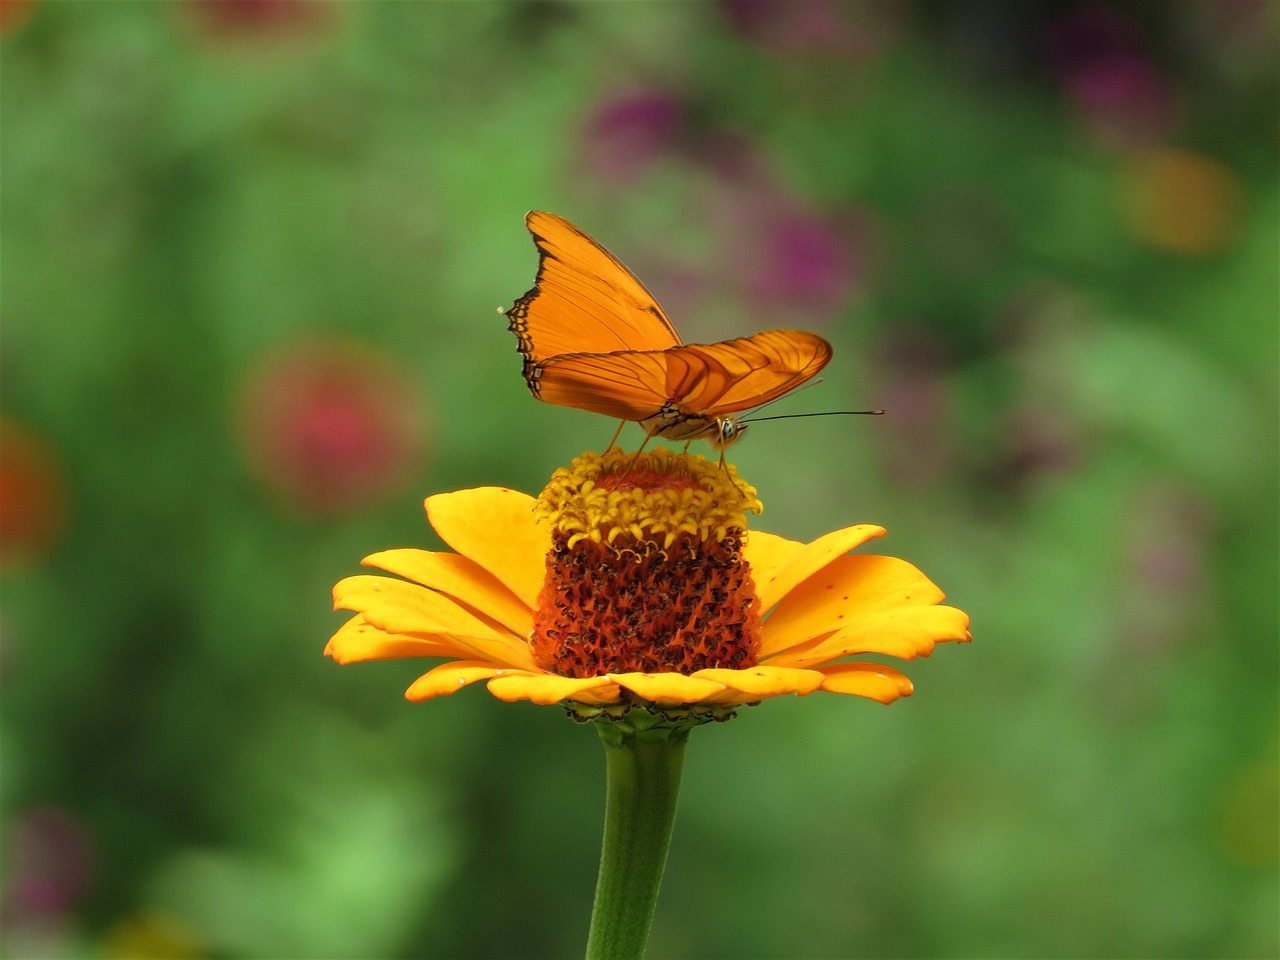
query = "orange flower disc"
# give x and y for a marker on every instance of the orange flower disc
(625, 532)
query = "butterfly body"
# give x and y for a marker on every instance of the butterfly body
(675, 424)
(592, 337)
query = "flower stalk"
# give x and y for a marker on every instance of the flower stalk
(643, 768)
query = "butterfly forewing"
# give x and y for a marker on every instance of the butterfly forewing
(583, 301)
(630, 385)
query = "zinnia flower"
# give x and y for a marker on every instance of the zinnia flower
(632, 579)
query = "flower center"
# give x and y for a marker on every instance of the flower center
(645, 572)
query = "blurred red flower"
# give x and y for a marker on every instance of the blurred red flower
(33, 501)
(14, 13)
(260, 18)
(330, 425)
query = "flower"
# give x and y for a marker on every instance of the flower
(1119, 94)
(628, 134)
(789, 28)
(260, 17)
(33, 498)
(632, 578)
(52, 863)
(13, 14)
(330, 425)
(1183, 202)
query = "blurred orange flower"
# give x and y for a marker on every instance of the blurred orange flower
(247, 18)
(635, 580)
(14, 13)
(33, 503)
(1183, 202)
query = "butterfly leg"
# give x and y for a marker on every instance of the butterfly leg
(636, 456)
(616, 434)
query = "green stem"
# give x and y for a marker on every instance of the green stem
(643, 770)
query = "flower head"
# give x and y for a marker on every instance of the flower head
(331, 425)
(633, 579)
(33, 499)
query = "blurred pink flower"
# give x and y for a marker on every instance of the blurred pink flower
(800, 26)
(627, 134)
(50, 863)
(331, 425)
(790, 263)
(802, 264)
(1100, 56)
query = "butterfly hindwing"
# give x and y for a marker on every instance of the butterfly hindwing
(717, 378)
(700, 379)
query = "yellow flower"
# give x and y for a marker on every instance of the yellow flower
(634, 580)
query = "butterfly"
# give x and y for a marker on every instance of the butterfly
(592, 337)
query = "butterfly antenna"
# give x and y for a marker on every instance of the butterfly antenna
(789, 393)
(822, 413)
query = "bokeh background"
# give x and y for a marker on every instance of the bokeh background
(251, 255)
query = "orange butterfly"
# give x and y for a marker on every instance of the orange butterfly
(593, 337)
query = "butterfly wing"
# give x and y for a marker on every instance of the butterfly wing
(701, 380)
(718, 378)
(583, 301)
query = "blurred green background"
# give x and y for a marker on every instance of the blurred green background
(251, 252)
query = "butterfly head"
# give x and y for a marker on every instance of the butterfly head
(726, 431)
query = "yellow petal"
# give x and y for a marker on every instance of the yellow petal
(357, 640)
(905, 632)
(462, 579)
(449, 678)
(761, 682)
(407, 608)
(811, 558)
(667, 689)
(547, 688)
(841, 593)
(768, 553)
(869, 680)
(495, 527)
